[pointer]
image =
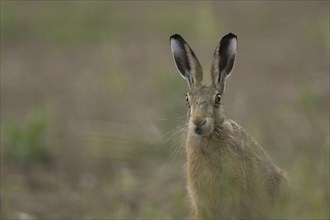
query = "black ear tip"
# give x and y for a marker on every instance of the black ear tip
(227, 37)
(175, 37)
(230, 35)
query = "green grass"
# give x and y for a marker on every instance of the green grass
(106, 144)
(27, 143)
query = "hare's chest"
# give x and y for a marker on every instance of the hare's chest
(205, 181)
(205, 175)
(216, 175)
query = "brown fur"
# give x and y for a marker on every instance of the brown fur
(229, 175)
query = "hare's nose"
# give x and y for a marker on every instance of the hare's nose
(198, 125)
(199, 122)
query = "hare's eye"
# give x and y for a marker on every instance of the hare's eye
(217, 99)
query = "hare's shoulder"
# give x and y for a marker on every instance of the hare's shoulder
(232, 128)
(234, 133)
(255, 153)
(247, 143)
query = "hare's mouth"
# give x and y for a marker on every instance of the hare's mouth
(202, 130)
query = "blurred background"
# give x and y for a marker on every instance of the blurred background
(92, 105)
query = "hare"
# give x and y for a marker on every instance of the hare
(229, 176)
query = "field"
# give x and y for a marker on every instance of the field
(92, 104)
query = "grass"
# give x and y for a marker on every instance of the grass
(106, 146)
(29, 145)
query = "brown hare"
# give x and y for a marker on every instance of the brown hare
(229, 175)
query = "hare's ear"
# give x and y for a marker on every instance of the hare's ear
(223, 61)
(186, 61)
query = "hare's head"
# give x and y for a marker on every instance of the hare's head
(205, 107)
